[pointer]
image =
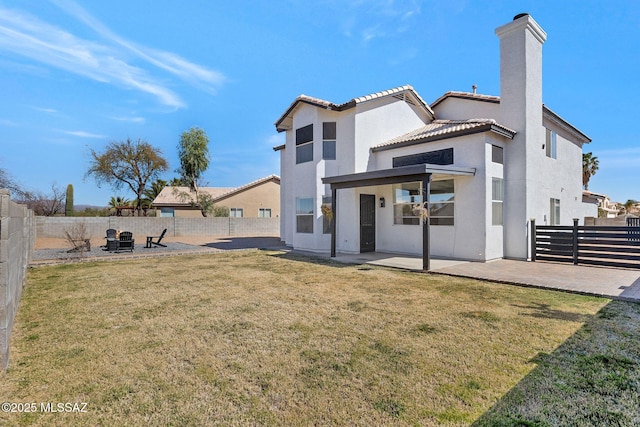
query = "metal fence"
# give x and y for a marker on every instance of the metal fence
(609, 246)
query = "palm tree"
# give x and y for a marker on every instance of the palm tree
(150, 194)
(589, 167)
(118, 201)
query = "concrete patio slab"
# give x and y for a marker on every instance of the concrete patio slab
(622, 284)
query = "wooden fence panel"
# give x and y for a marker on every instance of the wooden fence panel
(610, 246)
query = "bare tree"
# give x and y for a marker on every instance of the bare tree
(44, 204)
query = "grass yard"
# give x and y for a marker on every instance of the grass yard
(267, 338)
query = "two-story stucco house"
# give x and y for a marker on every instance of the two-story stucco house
(460, 178)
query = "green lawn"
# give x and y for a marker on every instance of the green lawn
(266, 338)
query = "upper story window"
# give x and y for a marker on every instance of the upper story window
(497, 154)
(552, 144)
(304, 144)
(329, 140)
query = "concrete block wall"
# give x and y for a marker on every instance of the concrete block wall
(153, 226)
(17, 240)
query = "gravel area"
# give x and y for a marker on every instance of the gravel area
(55, 251)
(63, 254)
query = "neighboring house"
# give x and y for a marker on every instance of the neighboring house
(258, 199)
(610, 209)
(483, 165)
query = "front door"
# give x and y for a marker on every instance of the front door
(367, 223)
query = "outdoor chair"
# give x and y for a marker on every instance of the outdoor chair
(112, 241)
(126, 241)
(151, 242)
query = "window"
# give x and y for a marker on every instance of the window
(264, 213)
(327, 214)
(441, 202)
(167, 212)
(497, 154)
(304, 144)
(552, 144)
(236, 212)
(555, 212)
(437, 157)
(329, 140)
(497, 200)
(407, 203)
(304, 215)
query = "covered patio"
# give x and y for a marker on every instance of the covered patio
(415, 173)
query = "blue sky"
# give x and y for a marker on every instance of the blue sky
(77, 75)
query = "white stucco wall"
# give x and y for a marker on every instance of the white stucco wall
(462, 109)
(378, 121)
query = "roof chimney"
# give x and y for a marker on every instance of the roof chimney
(521, 110)
(474, 87)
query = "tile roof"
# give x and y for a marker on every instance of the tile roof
(170, 196)
(466, 95)
(441, 129)
(406, 93)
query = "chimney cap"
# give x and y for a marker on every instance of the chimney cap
(520, 15)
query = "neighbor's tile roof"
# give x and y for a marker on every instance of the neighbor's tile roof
(441, 129)
(398, 92)
(170, 196)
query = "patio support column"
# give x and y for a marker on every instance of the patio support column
(334, 218)
(426, 253)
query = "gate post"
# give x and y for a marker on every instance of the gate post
(575, 241)
(533, 239)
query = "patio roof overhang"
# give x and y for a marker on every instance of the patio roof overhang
(394, 175)
(421, 173)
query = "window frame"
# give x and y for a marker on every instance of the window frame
(554, 211)
(303, 214)
(551, 144)
(304, 144)
(262, 211)
(326, 221)
(497, 201)
(497, 154)
(329, 140)
(233, 212)
(442, 220)
(407, 203)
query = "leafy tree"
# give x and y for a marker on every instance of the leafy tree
(68, 202)
(590, 165)
(193, 151)
(128, 163)
(628, 205)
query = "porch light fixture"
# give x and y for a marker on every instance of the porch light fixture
(382, 202)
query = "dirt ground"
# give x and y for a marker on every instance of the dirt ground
(56, 243)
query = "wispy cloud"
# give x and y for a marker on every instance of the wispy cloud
(368, 18)
(82, 134)
(131, 119)
(45, 110)
(108, 61)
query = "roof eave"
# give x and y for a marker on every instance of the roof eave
(565, 125)
(488, 127)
